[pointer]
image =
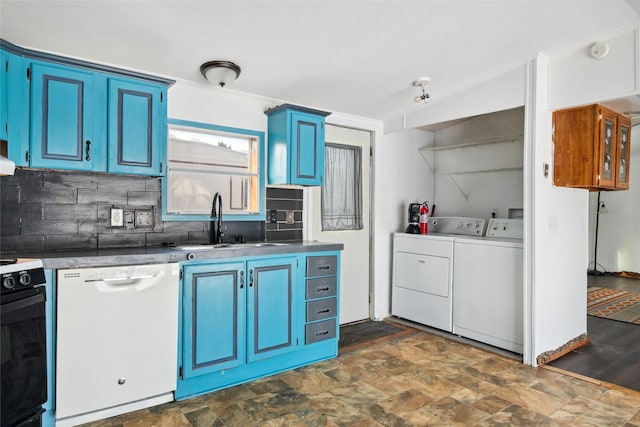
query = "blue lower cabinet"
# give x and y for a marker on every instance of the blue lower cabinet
(244, 319)
(214, 301)
(270, 301)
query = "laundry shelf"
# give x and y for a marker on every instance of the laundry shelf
(477, 143)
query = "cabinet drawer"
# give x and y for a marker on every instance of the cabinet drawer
(321, 309)
(320, 331)
(322, 265)
(321, 287)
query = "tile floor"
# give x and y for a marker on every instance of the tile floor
(412, 380)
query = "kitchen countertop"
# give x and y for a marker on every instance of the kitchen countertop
(164, 254)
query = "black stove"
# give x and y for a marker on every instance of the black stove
(20, 273)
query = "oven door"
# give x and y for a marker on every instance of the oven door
(23, 355)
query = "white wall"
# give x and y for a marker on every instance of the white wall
(619, 229)
(503, 92)
(556, 238)
(474, 180)
(401, 177)
(578, 79)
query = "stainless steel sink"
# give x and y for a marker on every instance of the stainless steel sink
(228, 246)
(206, 247)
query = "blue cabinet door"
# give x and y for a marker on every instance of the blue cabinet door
(68, 130)
(137, 127)
(270, 307)
(14, 107)
(214, 302)
(307, 149)
(4, 98)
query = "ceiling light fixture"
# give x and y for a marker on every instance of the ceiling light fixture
(422, 82)
(220, 73)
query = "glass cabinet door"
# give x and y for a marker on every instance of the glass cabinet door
(624, 139)
(606, 172)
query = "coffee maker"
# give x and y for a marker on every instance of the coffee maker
(414, 218)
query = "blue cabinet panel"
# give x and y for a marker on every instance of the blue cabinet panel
(48, 418)
(308, 149)
(67, 131)
(4, 99)
(137, 130)
(270, 315)
(14, 95)
(214, 311)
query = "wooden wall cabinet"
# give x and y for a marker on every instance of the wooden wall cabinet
(591, 148)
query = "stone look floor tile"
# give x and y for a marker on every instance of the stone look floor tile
(414, 380)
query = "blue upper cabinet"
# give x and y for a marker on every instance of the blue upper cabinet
(68, 114)
(137, 127)
(295, 145)
(67, 129)
(14, 106)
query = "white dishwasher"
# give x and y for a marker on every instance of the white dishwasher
(116, 345)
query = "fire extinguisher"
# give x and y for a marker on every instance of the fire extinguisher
(424, 217)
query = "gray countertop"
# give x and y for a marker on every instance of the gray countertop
(154, 255)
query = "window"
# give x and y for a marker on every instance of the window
(206, 159)
(342, 191)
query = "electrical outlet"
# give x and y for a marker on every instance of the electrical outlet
(290, 219)
(117, 217)
(143, 218)
(273, 216)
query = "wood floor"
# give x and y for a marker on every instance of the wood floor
(416, 379)
(614, 353)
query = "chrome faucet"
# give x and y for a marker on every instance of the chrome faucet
(216, 235)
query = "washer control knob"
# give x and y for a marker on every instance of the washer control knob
(9, 282)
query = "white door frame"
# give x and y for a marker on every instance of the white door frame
(309, 212)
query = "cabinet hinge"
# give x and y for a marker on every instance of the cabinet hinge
(160, 167)
(180, 274)
(27, 157)
(599, 117)
(370, 151)
(161, 96)
(6, 66)
(180, 373)
(28, 73)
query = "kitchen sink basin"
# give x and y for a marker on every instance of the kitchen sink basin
(228, 245)
(206, 246)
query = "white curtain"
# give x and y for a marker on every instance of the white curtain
(342, 190)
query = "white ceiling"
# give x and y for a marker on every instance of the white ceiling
(353, 57)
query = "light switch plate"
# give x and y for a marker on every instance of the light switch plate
(117, 217)
(143, 218)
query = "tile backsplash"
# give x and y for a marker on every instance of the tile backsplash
(283, 202)
(43, 210)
